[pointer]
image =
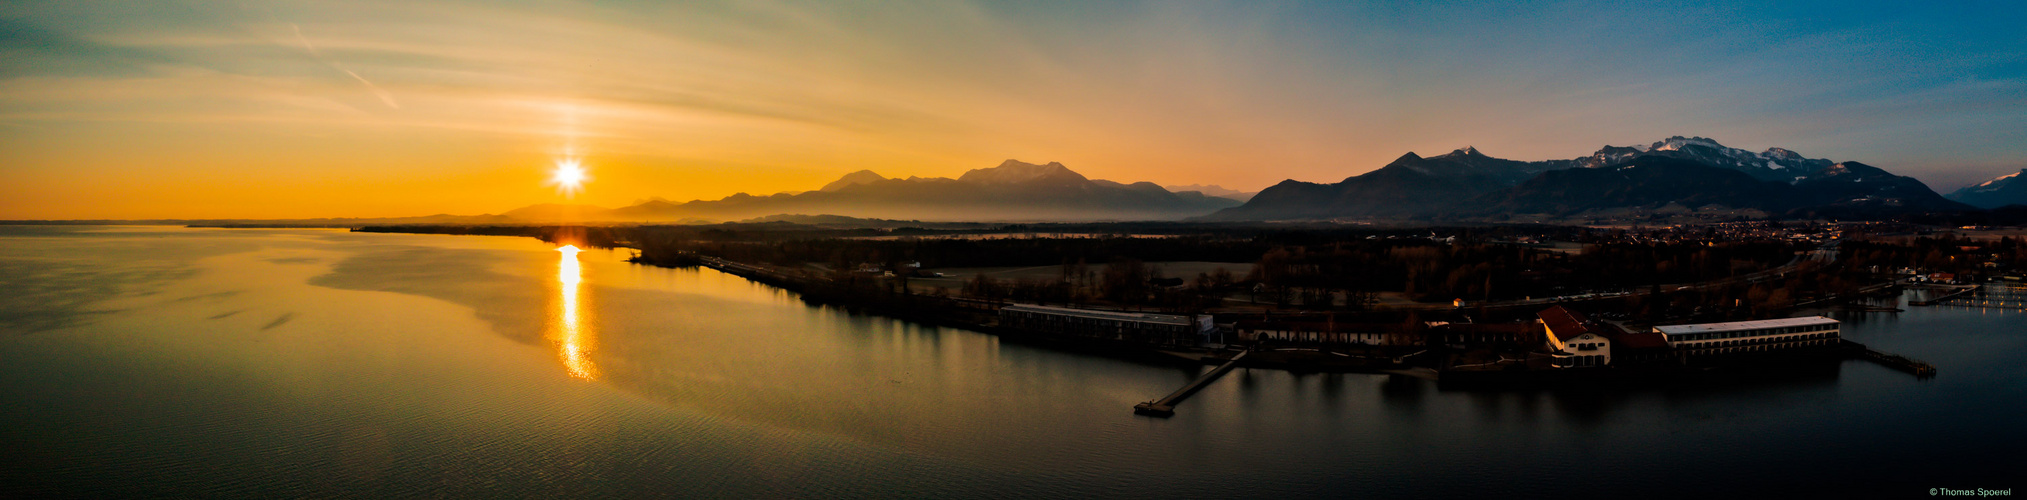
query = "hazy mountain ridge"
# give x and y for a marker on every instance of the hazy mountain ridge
(2009, 189)
(852, 179)
(1675, 173)
(1409, 186)
(1011, 191)
(1213, 190)
(1646, 182)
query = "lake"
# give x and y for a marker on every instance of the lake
(163, 361)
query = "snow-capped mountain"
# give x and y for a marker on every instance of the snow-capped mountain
(1774, 164)
(1690, 172)
(2009, 189)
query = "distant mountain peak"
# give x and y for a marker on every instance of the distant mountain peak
(1677, 143)
(1775, 164)
(1463, 152)
(1783, 153)
(1692, 171)
(2009, 189)
(1850, 168)
(1017, 172)
(1213, 190)
(2002, 178)
(853, 179)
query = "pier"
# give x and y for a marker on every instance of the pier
(1165, 407)
(1994, 296)
(1894, 361)
(1943, 298)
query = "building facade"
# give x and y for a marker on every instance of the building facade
(1317, 332)
(1574, 342)
(1752, 336)
(1486, 335)
(1120, 326)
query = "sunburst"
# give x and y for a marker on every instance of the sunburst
(569, 176)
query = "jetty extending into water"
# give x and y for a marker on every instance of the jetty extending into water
(1960, 293)
(1890, 360)
(1165, 407)
(1994, 296)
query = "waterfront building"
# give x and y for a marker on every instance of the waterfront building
(1322, 332)
(1486, 335)
(1141, 328)
(1639, 348)
(1751, 336)
(1574, 341)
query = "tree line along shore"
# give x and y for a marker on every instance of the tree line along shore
(1409, 278)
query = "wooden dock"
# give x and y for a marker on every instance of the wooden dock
(1165, 407)
(1944, 298)
(1894, 361)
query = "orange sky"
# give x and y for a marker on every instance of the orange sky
(370, 109)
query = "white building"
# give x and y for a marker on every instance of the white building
(1319, 332)
(1159, 329)
(1751, 336)
(1575, 344)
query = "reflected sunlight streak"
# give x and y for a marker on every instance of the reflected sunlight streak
(573, 336)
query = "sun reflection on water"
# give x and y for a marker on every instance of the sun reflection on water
(573, 336)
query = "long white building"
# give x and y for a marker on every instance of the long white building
(1751, 336)
(1159, 329)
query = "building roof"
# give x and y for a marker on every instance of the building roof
(1491, 327)
(1166, 319)
(1744, 325)
(1640, 341)
(1563, 323)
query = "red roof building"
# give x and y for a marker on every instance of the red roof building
(1574, 340)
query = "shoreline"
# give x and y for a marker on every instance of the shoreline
(1427, 360)
(1300, 360)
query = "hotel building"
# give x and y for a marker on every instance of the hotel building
(1751, 336)
(1159, 329)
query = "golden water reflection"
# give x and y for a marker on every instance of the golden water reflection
(573, 336)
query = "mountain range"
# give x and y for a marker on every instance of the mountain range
(2009, 189)
(1673, 174)
(1011, 191)
(1215, 190)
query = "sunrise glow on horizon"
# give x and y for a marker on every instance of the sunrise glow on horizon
(388, 109)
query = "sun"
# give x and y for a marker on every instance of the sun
(569, 176)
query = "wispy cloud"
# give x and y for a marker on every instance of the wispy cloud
(312, 49)
(787, 94)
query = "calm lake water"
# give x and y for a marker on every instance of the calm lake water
(156, 361)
